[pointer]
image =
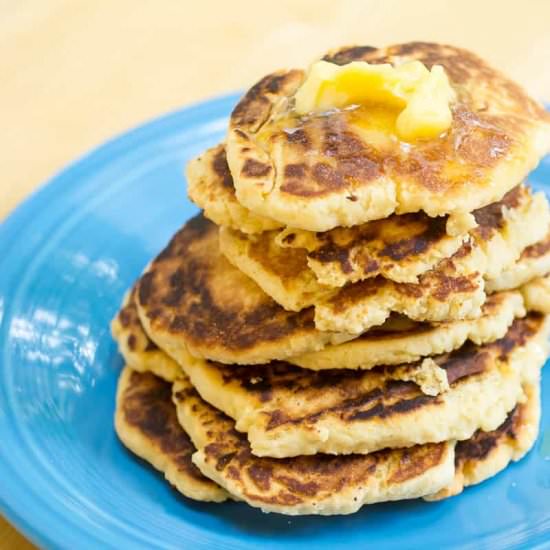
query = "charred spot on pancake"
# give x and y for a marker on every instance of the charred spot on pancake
(416, 460)
(221, 168)
(297, 136)
(331, 252)
(409, 289)
(289, 239)
(454, 285)
(125, 316)
(482, 443)
(255, 106)
(146, 287)
(351, 293)
(151, 346)
(132, 342)
(297, 170)
(402, 406)
(466, 361)
(537, 250)
(261, 475)
(491, 217)
(349, 54)
(254, 169)
(147, 406)
(434, 230)
(518, 334)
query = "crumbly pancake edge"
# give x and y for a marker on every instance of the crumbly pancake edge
(453, 291)
(534, 262)
(136, 347)
(392, 349)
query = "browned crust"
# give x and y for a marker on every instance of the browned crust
(441, 282)
(221, 169)
(266, 383)
(426, 233)
(536, 250)
(254, 108)
(292, 481)
(146, 406)
(128, 318)
(178, 297)
(482, 443)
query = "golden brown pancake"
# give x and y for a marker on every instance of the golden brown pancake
(534, 262)
(399, 248)
(191, 299)
(282, 273)
(210, 187)
(320, 484)
(147, 424)
(487, 453)
(289, 411)
(401, 340)
(453, 291)
(402, 248)
(138, 350)
(345, 167)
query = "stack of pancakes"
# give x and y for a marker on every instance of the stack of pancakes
(352, 318)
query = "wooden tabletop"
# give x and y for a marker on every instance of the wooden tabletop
(75, 72)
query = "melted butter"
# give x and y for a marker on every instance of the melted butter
(417, 100)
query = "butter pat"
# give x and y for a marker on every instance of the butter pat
(420, 96)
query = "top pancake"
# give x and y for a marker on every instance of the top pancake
(191, 299)
(342, 168)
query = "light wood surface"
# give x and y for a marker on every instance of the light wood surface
(75, 72)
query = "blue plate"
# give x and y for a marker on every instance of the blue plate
(66, 257)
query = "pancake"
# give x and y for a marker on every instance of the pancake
(402, 248)
(487, 453)
(210, 187)
(345, 167)
(146, 423)
(536, 294)
(403, 341)
(283, 274)
(191, 299)
(320, 484)
(453, 291)
(138, 350)
(534, 262)
(288, 411)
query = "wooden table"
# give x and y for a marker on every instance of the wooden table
(75, 72)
